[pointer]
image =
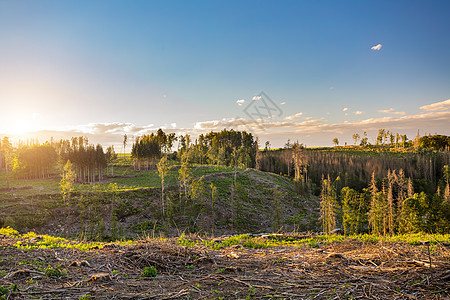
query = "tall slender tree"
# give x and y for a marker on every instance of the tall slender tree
(163, 170)
(125, 140)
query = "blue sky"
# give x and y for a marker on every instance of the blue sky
(114, 67)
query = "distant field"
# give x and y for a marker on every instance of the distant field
(124, 175)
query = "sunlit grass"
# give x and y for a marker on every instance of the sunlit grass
(31, 241)
(315, 241)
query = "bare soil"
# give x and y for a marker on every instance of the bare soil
(338, 270)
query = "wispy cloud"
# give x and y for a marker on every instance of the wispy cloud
(240, 102)
(377, 47)
(312, 131)
(392, 111)
(443, 105)
(358, 112)
(345, 109)
(114, 128)
(283, 103)
(293, 117)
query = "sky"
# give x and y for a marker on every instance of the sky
(299, 70)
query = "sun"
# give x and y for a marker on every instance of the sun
(17, 126)
(20, 126)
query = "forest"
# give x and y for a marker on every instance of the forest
(392, 187)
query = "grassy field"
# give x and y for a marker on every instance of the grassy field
(125, 176)
(247, 208)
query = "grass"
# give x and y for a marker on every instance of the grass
(32, 241)
(248, 241)
(125, 177)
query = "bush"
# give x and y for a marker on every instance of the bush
(54, 272)
(149, 272)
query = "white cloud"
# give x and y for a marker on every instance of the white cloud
(392, 111)
(321, 132)
(293, 117)
(283, 103)
(358, 112)
(377, 47)
(257, 98)
(240, 102)
(443, 105)
(345, 109)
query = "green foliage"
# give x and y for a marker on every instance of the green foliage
(51, 242)
(67, 181)
(163, 170)
(88, 160)
(354, 209)
(149, 272)
(36, 161)
(3, 290)
(54, 272)
(147, 149)
(435, 142)
(125, 208)
(145, 227)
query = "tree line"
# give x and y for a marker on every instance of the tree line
(227, 148)
(386, 206)
(355, 165)
(42, 160)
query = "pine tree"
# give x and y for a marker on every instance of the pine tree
(377, 213)
(351, 210)
(328, 206)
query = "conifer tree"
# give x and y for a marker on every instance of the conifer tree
(328, 205)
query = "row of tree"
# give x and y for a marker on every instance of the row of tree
(227, 147)
(386, 207)
(354, 167)
(41, 160)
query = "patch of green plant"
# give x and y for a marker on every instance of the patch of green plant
(51, 242)
(145, 226)
(54, 272)
(149, 272)
(125, 209)
(3, 290)
(8, 231)
(32, 262)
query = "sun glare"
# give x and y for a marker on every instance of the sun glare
(19, 126)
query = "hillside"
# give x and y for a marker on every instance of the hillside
(239, 267)
(129, 204)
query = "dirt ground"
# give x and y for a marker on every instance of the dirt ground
(338, 270)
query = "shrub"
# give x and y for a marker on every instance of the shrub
(149, 272)
(54, 272)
